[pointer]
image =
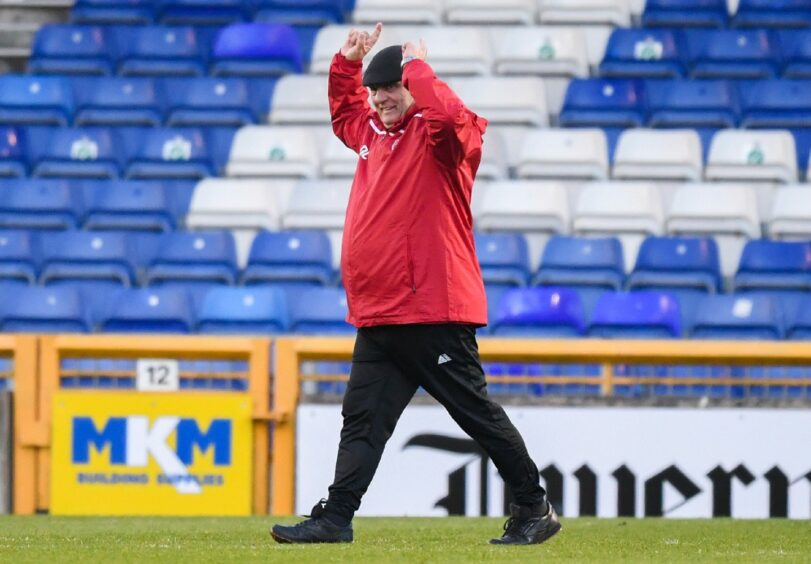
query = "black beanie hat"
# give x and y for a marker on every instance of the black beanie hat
(385, 67)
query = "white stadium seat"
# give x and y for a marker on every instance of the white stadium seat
(752, 155)
(613, 12)
(648, 154)
(328, 41)
(260, 151)
(300, 100)
(337, 160)
(493, 165)
(544, 50)
(317, 204)
(791, 213)
(525, 104)
(521, 205)
(490, 11)
(398, 11)
(564, 154)
(452, 50)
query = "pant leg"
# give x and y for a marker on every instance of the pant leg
(376, 396)
(459, 385)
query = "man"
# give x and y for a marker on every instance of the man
(412, 281)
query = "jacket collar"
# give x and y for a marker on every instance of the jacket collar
(397, 127)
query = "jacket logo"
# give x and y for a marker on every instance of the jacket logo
(364, 152)
(394, 145)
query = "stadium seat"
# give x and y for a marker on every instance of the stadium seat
(320, 311)
(45, 310)
(639, 155)
(455, 50)
(13, 154)
(747, 155)
(116, 101)
(397, 12)
(159, 51)
(19, 257)
(802, 141)
(300, 100)
(493, 164)
(618, 207)
(580, 261)
(544, 50)
(606, 12)
(629, 315)
(575, 154)
(769, 265)
(526, 104)
(35, 100)
(74, 256)
(325, 46)
(178, 153)
(216, 101)
(772, 13)
(692, 103)
(202, 12)
(685, 13)
(677, 262)
(798, 325)
(74, 153)
(105, 12)
(234, 204)
(71, 49)
(205, 257)
(218, 142)
(270, 151)
(131, 206)
(257, 311)
(795, 47)
(256, 49)
(149, 310)
(337, 160)
(644, 53)
(302, 12)
(791, 213)
(300, 257)
(539, 312)
(775, 104)
(733, 317)
(603, 102)
(506, 12)
(734, 54)
(317, 204)
(521, 205)
(39, 204)
(503, 259)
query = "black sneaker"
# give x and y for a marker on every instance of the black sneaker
(528, 526)
(315, 529)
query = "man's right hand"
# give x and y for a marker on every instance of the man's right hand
(359, 43)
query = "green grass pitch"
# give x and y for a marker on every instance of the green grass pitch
(55, 540)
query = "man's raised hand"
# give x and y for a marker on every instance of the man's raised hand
(414, 51)
(359, 43)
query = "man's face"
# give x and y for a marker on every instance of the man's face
(391, 102)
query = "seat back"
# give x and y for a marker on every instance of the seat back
(603, 102)
(320, 311)
(682, 262)
(643, 314)
(547, 312)
(750, 317)
(243, 311)
(256, 49)
(46, 310)
(149, 310)
(649, 53)
(87, 255)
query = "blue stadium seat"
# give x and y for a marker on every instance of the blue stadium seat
(149, 310)
(171, 153)
(213, 101)
(302, 12)
(39, 204)
(299, 257)
(13, 157)
(651, 53)
(159, 51)
(769, 264)
(581, 261)
(643, 314)
(798, 326)
(117, 101)
(736, 54)
(78, 256)
(677, 262)
(35, 100)
(802, 142)
(730, 316)
(775, 104)
(219, 141)
(603, 102)
(194, 257)
(685, 13)
(45, 310)
(503, 258)
(795, 46)
(773, 13)
(19, 257)
(73, 153)
(692, 103)
(203, 12)
(320, 311)
(129, 205)
(72, 49)
(105, 12)
(539, 312)
(257, 311)
(256, 49)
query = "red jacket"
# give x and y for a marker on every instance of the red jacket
(408, 254)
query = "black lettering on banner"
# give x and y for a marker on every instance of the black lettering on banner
(588, 491)
(722, 487)
(654, 490)
(778, 492)
(553, 479)
(626, 491)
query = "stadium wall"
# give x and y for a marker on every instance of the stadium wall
(5, 452)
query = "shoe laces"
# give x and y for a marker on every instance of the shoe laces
(315, 513)
(511, 526)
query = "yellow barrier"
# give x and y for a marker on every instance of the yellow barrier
(290, 352)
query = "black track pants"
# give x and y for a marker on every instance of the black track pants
(388, 364)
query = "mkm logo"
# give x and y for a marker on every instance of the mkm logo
(132, 440)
